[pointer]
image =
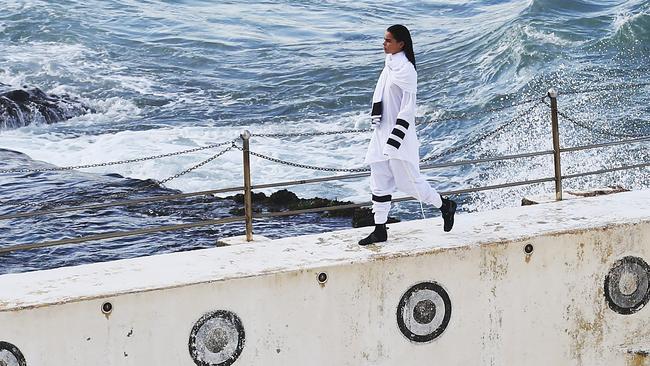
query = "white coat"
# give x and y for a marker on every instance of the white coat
(394, 102)
(393, 154)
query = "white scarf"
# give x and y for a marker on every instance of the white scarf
(398, 70)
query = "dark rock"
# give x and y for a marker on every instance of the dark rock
(255, 198)
(239, 211)
(21, 107)
(527, 202)
(114, 175)
(316, 202)
(283, 198)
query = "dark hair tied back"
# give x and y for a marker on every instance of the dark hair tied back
(402, 34)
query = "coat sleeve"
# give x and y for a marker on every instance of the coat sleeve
(405, 121)
(407, 108)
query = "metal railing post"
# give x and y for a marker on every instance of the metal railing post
(248, 196)
(552, 94)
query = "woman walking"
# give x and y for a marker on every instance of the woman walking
(393, 154)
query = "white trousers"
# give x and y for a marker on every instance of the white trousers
(388, 176)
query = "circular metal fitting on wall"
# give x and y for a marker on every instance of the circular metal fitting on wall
(107, 308)
(10, 355)
(424, 312)
(627, 285)
(217, 339)
(528, 249)
(322, 278)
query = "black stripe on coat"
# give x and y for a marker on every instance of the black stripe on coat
(403, 123)
(376, 109)
(393, 142)
(385, 198)
(398, 133)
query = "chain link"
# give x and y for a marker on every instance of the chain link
(118, 162)
(52, 204)
(360, 170)
(458, 116)
(597, 130)
(304, 166)
(593, 129)
(482, 137)
(215, 156)
(302, 134)
(447, 152)
(468, 115)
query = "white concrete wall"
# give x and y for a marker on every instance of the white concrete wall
(508, 308)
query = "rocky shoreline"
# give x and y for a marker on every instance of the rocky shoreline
(22, 107)
(285, 200)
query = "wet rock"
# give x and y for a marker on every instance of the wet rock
(21, 107)
(285, 200)
(240, 211)
(256, 198)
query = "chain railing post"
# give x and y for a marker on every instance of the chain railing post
(248, 196)
(552, 94)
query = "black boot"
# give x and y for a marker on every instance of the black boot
(376, 236)
(448, 210)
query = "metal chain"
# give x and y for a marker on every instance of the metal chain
(304, 166)
(457, 116)
(359, 170)
(463, 115)
(215, 156)
(468, 115)
(597, 130)
(482, 137)
(110, 163)
(593, 129)
(300, 134)
(124, 194)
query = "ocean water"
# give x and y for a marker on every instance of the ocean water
(164, 76)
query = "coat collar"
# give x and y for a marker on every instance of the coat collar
(395, 61)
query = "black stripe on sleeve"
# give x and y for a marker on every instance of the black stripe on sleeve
(403, 123)
(393, 143)
(398, 133)
(385, 198)
(376, 109)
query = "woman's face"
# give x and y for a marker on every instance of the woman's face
(391, 45)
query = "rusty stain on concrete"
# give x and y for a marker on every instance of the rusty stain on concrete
(587, 331)
(493, 270)
(638, 358)
(581, 253)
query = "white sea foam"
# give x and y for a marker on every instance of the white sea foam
(15, 80)
(328, 151)
(48, 57)
(27, 63)
(80, 66)
(547, 37)
(336, 151)
(625, 17)
(116, 109)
